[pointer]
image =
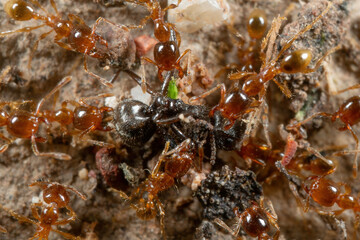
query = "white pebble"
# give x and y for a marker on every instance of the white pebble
(83, 174)
(192, 15)
(137, 94)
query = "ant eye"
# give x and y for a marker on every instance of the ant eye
(19, 10)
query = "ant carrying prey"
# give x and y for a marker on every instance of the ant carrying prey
(137, 122)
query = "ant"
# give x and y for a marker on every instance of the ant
(137, 122)
(84, 117)
(144, 199)
(25, 124)
(3, 230)
(348, 113)
(166, 52)
(240, 100)
(255, 220)
(53, 192)
(249, 56)
(79, 37)
(55, 198)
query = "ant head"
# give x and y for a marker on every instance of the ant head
(19, 10)
(56, 193)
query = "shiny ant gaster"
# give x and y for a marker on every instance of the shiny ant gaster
(240, 100)
(79, 37)
(25, 124)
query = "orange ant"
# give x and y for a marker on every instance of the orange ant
(255, 220)
(145, 198)
(25, 124)
(57, 193)
(79, 37)
(49, 215)
(348, 113)
(84, 117)
(249, 57)
(166, 52)
(240, 100)
(3, 230)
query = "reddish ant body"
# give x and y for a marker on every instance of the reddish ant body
(348, 113)
(255, 220)
(79, 37)
(3, 230)
(25, 124)
(145, 198)
(166, 52)
(84, 117)
(240, 100)
(249, 56)
(55, 197)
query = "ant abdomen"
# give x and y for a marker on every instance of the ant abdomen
(296, 61)
(166, 54)
(22, 124)
(19, 10)
(257, 23)
(255, 222)
(349, 111)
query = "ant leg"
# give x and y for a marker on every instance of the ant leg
(63, 45)
(149, 60)
(207, 93)
(99, 96)
(296, 125)
(86, 131)
(59, 156)
(35, 212)
(162, 217)
(318, 63)
(82, 196)
(182, 55)
(142, 23)
(347, 89)
(62, 83)
(172, 6)
(25, 29)
(121, 193)
(355, 164)
(53, 4)
(240, 75)
(102, 80)
(298, 199)
(228, 67)
(265, 120)
(272, 216)
(4, 147)
(222, 224)
(3, 230)
(283, 87)
(19, 217)
(305, 29)
(66, 235)
(42, 36)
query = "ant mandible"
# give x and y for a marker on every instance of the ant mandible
(79, 37)
(144, 199)
(255, 220)
(25, 124)
(240, 100)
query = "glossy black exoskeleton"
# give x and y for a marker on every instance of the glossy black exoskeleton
(137, 122)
